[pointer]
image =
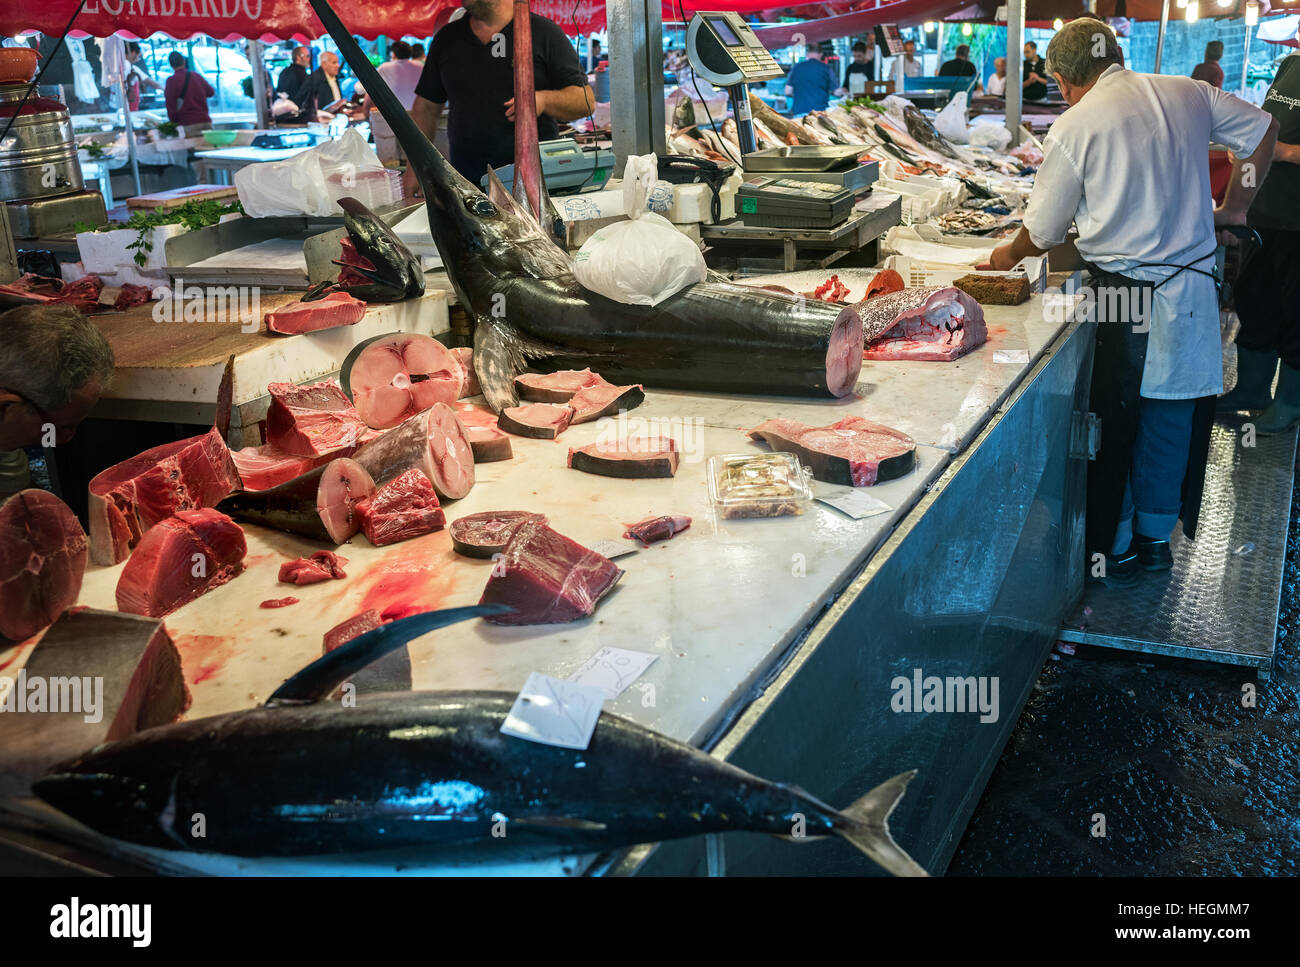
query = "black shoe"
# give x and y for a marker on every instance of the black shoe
(1153, 555)
(1121, 570)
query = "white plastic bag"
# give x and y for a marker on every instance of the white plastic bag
(309, 182)
(951, 121)
(644, 260)
(989, 135)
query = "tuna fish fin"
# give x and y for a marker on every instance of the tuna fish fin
(326, 673)
(501, 354)
(497, 194)
(865, 824)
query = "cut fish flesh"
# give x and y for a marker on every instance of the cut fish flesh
(547, 578)
(392, 378)
(321, 566)
(853, 452)
(634, 457)
(469, 378)
(320, 505)
(435, 442)
(593, 402)
(313, 420)
(541, 421)
(653, 529)
(179, 559)
(483, 535)
(555, 387)
(335, 309)
(43, 554)
(935, 324)
(403, 508)
(267, 466)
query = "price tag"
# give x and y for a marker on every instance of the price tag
(555, 712)
(613, 670)
(613, 549)
(1011, 355)
(853, 502)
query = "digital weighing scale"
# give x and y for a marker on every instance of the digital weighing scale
(726, 52)
(833, 164)
(776, 201)
(566, 166)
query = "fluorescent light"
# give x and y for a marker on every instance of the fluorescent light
(1182, 4)
(1252, 13)
(929, 26)
(1193, 11)
(1058, 23)
(965, 30)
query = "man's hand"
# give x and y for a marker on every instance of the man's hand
(1001, 259)
(1224, 217)
(410, 184)
(542, 101)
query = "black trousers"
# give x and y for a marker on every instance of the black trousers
(1268, 297)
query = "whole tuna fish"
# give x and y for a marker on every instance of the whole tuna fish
(306, 777)
(527, 305)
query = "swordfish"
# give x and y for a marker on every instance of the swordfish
(307, 776)
(528, 308)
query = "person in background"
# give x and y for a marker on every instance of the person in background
(594, 56)
(293, 79)
(136, 76)
(810, 83)
(1128, 162)
(321, 91)
(54, 363)
(861, 64)
(187, 93)
(997, 85)
(960, 65)
(462, 70)
(1268, 288)
(1035, 74)
(912, 66)
(402, 74)
(1209, 70)
(417, 54)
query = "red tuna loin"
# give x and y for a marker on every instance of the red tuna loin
(392, 378)
(180, 559)
(403, 508)
(936, 324)
(541, 421)
(657, 528)
(130, 497)
(632, 458)
(335, 309)
(345, 631)
(143, 687)
(132, 295)
(321, 566)
(593, 402)
(547, 578)
(555, 387)
(854, 452)
(469, 379)
(311, 421)
(267, 466)
(482, 535)
(42, 561)
(433, 441)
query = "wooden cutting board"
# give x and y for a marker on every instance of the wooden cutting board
(179, 196)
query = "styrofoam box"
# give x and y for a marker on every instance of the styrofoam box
(693, 203)
(919, 273)
(105, 252)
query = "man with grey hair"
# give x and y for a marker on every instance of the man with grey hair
(54, 363)
(1128, 164)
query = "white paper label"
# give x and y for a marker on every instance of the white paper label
(613, 669)
(1011, 355)
(555, 712)
(613, 549)
(854, 502)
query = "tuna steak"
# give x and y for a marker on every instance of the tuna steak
(313, 420)
(434, 442)
(130, 657)
(469, 379)
(631, 458)
(593, 402)
(320, 505)
(853, 452)
(541, 421)
(547, 578)
(335, 309)
(130, 497)
(180, 559)
(391, 378)
(555, 387)
(654, 529)
(321, 566)
(489, 444)
(267, 466)
(483, 535)
(403, 508)
(42, 561)
(936, 324)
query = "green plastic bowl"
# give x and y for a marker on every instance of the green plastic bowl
(219, 139)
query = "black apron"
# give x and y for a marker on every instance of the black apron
(1114, 397)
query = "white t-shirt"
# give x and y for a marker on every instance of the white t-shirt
(401, 76)
(996, 86)
(1129, 165)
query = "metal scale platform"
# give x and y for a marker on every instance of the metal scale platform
(1220, 601)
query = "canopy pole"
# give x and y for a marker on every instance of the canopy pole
(261, 99)
(938, 44)
(1245, 62)
(1160, 37)
(1015, 76)
(130, 135)
(636, 78)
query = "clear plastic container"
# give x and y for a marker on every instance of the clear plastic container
(759, 485)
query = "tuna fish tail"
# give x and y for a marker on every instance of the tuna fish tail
(865, 824)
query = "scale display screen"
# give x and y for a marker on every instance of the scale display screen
(727, 35)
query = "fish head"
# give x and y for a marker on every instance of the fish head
(117, 802)
(386, 270)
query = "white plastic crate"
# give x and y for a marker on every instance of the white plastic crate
(921, 274)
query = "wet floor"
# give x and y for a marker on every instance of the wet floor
(1123, 764)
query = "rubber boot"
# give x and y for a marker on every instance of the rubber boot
(1254, 389)
(1284, 413)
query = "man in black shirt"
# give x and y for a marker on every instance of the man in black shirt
(292, 81)
(1035, 74)
(1268, 288)
(471, 65)
(861, 64)
(960, 65)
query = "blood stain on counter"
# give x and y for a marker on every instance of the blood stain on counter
(202, 656)
(417, 578)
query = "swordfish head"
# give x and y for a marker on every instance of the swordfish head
(379, 267)
(485, 243)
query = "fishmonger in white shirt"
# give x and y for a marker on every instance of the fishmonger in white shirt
(1128, 164)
